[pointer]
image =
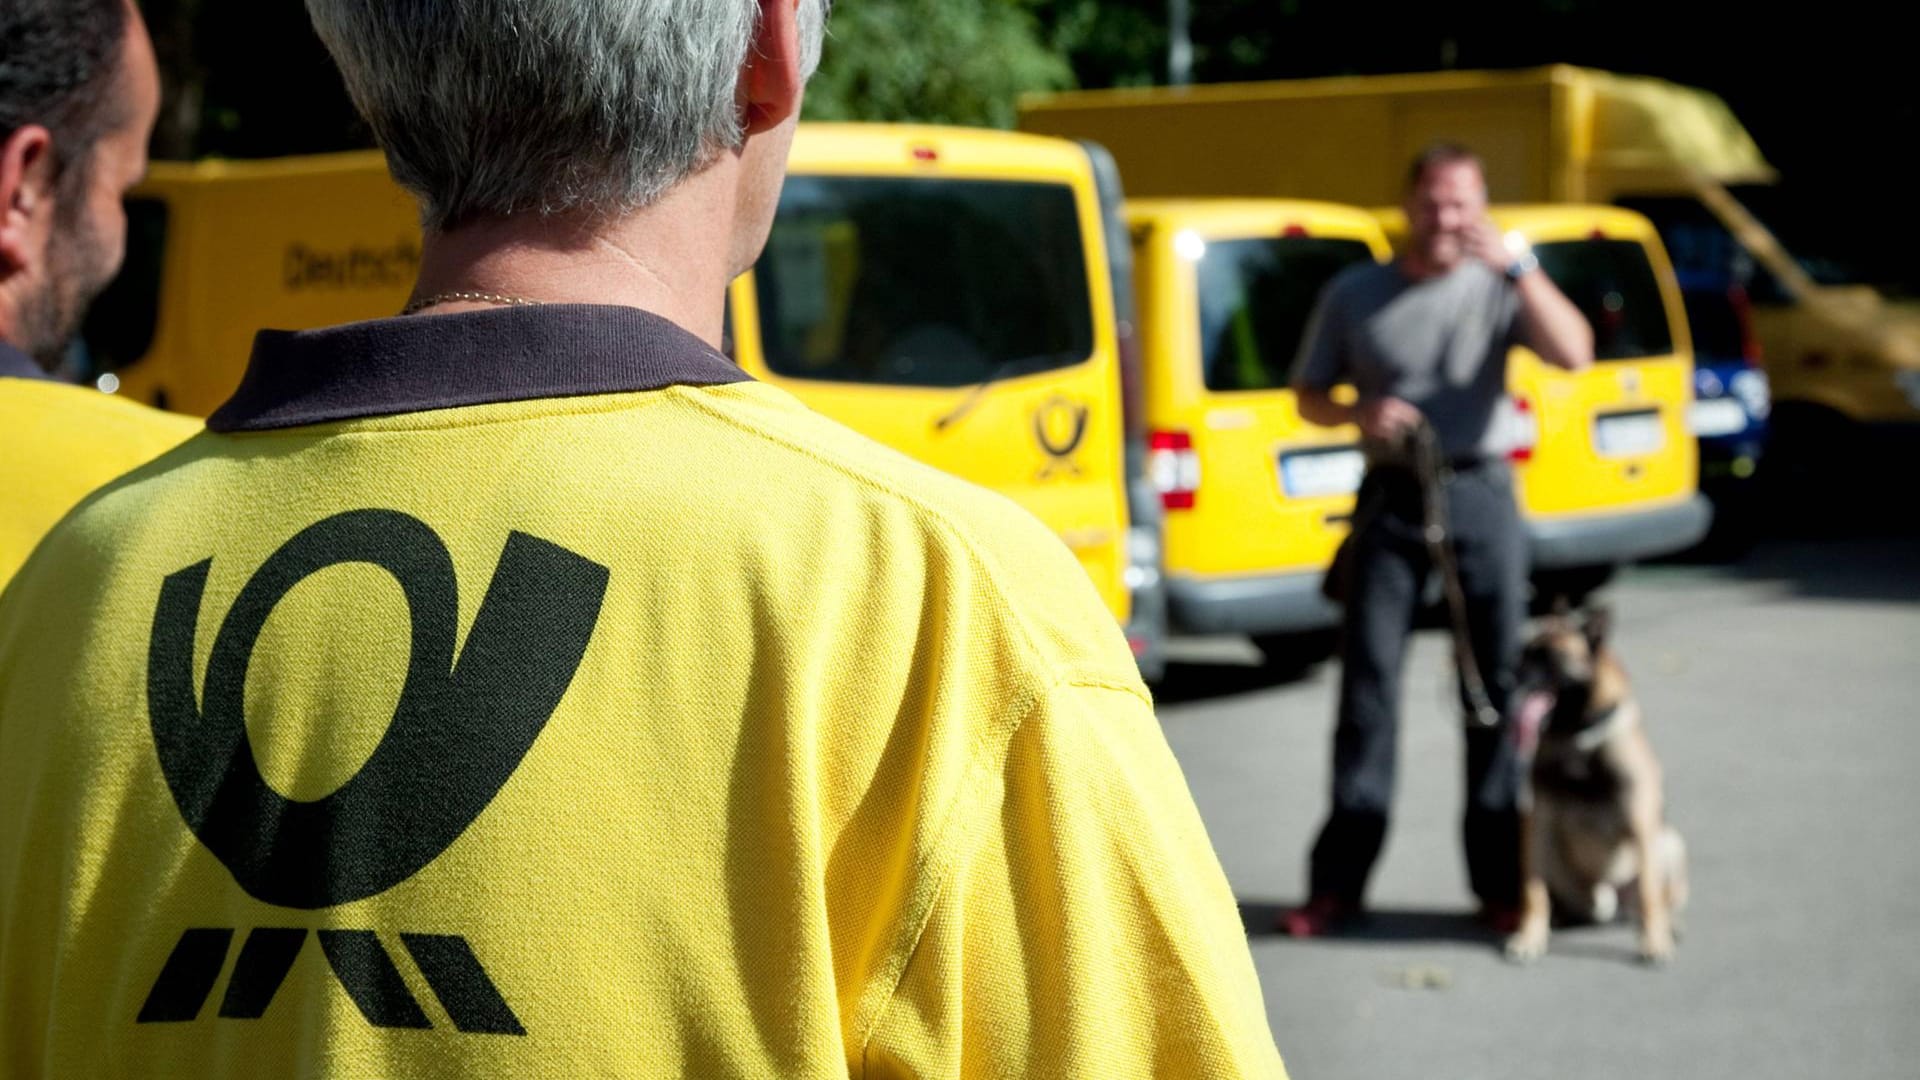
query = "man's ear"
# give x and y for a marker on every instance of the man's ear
(26, 191)
(770, 83)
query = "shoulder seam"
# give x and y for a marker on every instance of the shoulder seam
(989, 750)
(984, 758)
(991, 758)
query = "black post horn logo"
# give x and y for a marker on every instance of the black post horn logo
(459, 731)
(1055, 412)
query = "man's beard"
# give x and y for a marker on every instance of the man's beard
(77, 271)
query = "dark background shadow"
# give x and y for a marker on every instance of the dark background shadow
(1842, 533)
(1191, 680)
(1379, 926)
(1612, 943)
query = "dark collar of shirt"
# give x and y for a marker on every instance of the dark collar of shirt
(414, 363)
(15, 364)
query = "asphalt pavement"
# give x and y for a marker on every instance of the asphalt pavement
(1782, 692)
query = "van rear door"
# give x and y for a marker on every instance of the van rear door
(1615, 435)
(951, 300)
(1610, 468)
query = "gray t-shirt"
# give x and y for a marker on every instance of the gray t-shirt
(1439, 344)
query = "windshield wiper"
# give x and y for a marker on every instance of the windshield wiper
(1001, 371)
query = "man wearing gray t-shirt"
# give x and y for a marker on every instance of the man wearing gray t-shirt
(1426, 337)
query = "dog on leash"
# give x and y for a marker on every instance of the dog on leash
(1594, 825)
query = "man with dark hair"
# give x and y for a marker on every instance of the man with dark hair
(513, 688)
(1424, 341)
(78, 97)
(1435, 156)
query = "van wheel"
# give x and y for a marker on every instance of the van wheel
(1569, 586)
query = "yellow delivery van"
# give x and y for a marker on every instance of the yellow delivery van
(216, 250)
(1609, 470)
(1255, 499)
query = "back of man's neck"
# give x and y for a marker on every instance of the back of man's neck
(661, 259)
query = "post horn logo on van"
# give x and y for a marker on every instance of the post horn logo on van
(1060, 426)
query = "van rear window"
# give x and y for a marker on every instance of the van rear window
(1613, 285)
(923, 282)
(119, 326)
(1255, 299)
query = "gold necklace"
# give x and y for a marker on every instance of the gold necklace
(471, 297)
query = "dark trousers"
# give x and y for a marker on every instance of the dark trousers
(1390, 569)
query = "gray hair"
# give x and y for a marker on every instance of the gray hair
(488, 108)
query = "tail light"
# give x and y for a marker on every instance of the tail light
(1174, 467)
(1522, 430)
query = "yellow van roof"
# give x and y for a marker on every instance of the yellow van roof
(1560, 221)
(817, 148)
(1540, 221)
(1254, 217)
(887, 149)
(1282, 211)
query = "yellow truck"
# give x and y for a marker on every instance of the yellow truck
(1549, 135)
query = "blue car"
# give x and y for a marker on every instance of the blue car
(1731, 395)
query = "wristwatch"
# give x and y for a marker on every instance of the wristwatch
(1521, 259)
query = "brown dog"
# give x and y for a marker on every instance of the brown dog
(1595, 823)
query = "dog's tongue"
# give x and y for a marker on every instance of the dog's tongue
(1528, 715)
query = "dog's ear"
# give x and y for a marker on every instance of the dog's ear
(1599, 625)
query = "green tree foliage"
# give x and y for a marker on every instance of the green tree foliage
(1110, 42)
(932, 61)
(246, 78)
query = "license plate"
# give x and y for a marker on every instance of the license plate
(1717, 416)
(1307, 474)
(1628, 434)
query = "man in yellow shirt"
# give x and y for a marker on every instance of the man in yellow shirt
(78, 96)
(514, 688)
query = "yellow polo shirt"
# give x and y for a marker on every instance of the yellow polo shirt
(57, 443)
(525, 693)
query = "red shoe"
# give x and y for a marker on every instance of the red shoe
(1318, 917)
(1502, 919)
